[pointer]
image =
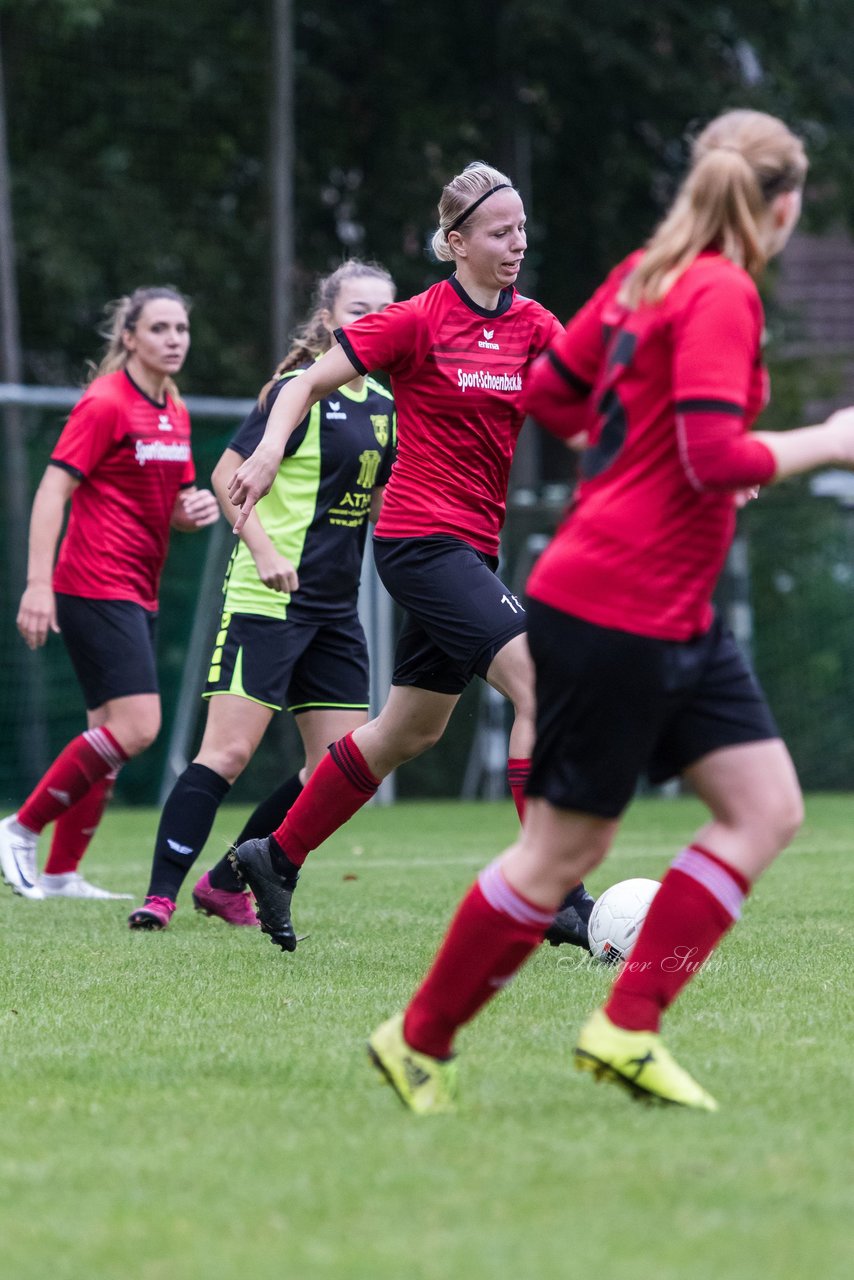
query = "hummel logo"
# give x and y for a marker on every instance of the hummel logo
(62, 796)
(415, 1075)
(487, 340)
(163, 423)
(179, 848)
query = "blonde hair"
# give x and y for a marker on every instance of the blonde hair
(122, 316)
(739, 163)
(468, 188)
(313, 338)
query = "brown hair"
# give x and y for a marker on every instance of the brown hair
(466, 189)
(313, 338)
(121, 316)
(739, 163)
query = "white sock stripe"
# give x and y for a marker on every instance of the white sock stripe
(501, 897)
(99, 742)
(713, 878)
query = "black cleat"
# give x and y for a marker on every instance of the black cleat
(263, 867)
(570, 923)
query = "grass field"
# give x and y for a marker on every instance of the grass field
(193, 1105)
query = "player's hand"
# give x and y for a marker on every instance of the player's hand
(37, 615)
(743, 496)
(276, 571)
(252, 479)
(198, 509)
(841, 424)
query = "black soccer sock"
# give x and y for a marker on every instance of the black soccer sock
(185, 825)
(266, 817)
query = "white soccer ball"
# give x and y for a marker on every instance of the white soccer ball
(617, 917)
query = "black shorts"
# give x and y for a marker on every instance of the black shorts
(111, 644)
(305, 666)
(459, 612)
(612, 706)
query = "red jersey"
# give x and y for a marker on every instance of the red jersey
(132, 456)
(457, 373)
(666, 394)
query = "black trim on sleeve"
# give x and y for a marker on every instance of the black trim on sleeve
(577, 383)
(350, 353)
(709, 406)
(66, 466)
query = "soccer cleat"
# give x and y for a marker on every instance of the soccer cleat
(570, 923)
(234, 908)
(18, 858)
(70, 884)
(639, 1061)
(155, 913)
(255, 863)
(428, 1086)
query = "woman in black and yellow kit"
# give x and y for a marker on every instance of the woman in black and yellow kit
(290, 633)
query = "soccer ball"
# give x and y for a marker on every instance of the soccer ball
(617, 917)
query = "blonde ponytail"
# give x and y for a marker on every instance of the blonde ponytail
(740, 162)
(460, 198)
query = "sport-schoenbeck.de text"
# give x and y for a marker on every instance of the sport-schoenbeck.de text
(486, 381)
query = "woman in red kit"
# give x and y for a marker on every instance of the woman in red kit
(661, 375)
(124, 461)
(458, 357)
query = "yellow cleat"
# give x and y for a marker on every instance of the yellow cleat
(428, 1086)
(639, 1062)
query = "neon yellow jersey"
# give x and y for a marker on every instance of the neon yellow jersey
(316, 513)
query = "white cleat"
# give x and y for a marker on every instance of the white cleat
(70, 884)
(18, 858)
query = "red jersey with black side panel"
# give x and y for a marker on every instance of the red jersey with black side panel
(131, 456)
(457, 373)
(667, 394)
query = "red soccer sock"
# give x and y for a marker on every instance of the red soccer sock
(699, 899)
(517, 776)
(337, 789)
(85, 761)
(74, 829)
(491, 936)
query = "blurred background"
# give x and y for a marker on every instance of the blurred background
(236, 149)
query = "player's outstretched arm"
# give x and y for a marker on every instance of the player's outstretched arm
(255, 476)
(275, 570)
(829, 445)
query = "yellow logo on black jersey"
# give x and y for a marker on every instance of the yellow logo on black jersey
(379, 422)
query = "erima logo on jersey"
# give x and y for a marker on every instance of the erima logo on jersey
(161, 451)
(486, 381)
(163, 423)
(335, 410)
(487, 334)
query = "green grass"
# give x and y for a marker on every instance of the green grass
(194, 1104)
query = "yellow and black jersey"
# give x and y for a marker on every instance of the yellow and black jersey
(316, 513)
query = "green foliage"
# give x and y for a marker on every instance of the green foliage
(194, 1104)
(139, 140)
